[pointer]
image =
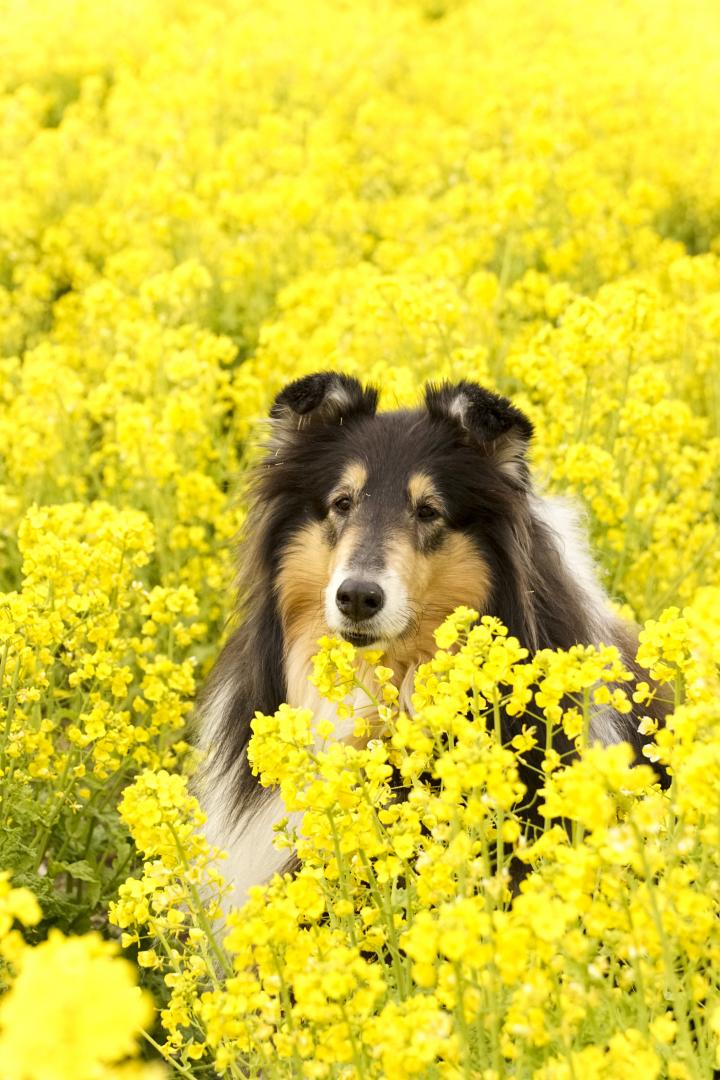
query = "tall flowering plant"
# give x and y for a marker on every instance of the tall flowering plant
(398, 947)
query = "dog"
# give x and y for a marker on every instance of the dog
(374, 527)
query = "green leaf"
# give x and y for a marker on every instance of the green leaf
(80, 870)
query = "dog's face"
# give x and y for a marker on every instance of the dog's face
(383, 523)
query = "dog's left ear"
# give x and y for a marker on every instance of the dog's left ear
(486, 420)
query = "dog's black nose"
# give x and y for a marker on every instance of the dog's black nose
(359, 600)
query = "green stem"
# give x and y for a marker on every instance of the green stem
(170, 1060)
(42, 838)
(500, 814)
(393, 943)
(199, 910)
(466, 1049)
(342, 877)
(10, 713)
(679, 997)
(359, 1056)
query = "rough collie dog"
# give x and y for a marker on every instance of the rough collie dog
(374, 527)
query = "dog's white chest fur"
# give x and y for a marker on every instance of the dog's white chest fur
(252, 855)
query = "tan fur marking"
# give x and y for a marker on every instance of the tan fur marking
(305, 570)
(304, 573)
(353, 479)
(437, 583)
(421, 489)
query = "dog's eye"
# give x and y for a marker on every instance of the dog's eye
(343, 504)
(426, 512)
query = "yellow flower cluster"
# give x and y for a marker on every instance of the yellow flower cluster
(97, 681)
(175, 900)
(71, 1008)
(199, 200)
(396, 950)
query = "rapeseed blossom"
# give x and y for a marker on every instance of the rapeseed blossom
(200, 201)
(73, 1010)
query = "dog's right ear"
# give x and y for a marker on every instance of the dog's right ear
(326, 398)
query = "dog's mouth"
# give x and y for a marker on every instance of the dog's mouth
(367, 635)
(359, 640)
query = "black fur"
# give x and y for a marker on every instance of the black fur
(327, 395)
(485, 413)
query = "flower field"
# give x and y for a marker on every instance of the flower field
(199, 201)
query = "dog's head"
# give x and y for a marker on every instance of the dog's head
(377, 525)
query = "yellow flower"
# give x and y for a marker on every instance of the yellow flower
(16, 903)
(73, 1008)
